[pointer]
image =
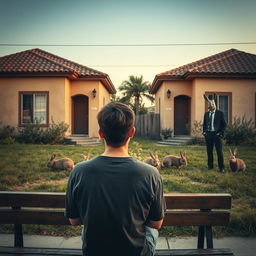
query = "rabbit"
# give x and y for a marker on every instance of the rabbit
(61, 164)
(172, 160)
(236, 164)
(86, 157)
(153, 160)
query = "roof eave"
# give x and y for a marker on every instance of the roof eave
(221, 75)
(103, 78)
(70, 75)
(159, 80)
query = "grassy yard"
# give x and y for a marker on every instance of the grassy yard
(23, 167)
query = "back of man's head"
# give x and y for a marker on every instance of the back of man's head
(116, 121)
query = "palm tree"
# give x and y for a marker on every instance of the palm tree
(134, 89)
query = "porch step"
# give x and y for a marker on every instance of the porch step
(82, 140)
(176, 140)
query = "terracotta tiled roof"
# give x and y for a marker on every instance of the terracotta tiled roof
(230, 63)
(38, 62)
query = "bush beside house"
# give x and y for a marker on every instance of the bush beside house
(34, 133)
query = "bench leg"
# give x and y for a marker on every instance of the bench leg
(209, 240)
(201, 234)
(18, 236)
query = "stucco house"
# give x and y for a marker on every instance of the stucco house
(179, 92)
(37, 86)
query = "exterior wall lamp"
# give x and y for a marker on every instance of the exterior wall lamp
(94, 93)
(168, 93)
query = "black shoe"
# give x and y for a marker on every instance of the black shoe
(222, 170)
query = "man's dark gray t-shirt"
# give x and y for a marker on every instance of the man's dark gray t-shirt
(115, 197)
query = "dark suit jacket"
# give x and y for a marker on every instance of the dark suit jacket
(219, 122)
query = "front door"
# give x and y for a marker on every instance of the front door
(182, 115)
(80, 114)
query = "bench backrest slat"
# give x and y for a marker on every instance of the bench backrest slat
(32, 199)
(56, 217)
(197, 201)
(173, 200)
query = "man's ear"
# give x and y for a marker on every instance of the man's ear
(132, 132)
(101, 134)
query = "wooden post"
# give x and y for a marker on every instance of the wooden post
(200, 238)
(209, 240)
(18, 233)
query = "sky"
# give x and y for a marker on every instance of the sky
(128, 22)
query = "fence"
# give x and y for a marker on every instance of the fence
(148, 126)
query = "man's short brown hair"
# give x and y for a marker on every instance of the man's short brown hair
(116, 121)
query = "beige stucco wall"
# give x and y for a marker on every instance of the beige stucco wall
(60, 104)
(95, 104)
(9, 97)
(177, 88)
(243, 96)
(243, 93)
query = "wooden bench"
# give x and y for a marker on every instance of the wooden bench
(183, 209)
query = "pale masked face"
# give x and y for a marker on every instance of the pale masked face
(211, 105)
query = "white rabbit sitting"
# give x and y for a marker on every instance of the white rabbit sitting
(61, 164)
(236, 164)
(172, 160)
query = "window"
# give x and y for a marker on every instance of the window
(223, 103)
(34, 108)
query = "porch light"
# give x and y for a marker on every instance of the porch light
(94, 93)
(168, 93)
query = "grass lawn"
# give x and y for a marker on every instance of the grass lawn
(23, 167)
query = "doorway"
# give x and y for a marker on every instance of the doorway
(182, 115)
(80, 114)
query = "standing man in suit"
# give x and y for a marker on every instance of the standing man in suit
(214, 126)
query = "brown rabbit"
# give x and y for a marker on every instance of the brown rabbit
(236, 164)
(172, 160)
(86, 157)
(61, 164)
(153, 160)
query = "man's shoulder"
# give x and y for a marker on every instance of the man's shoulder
(146, 168)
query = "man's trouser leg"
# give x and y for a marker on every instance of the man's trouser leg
(218, 146)
(151, 237)
(209, 145)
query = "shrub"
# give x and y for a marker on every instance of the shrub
(240, 131)
(30, 133)
(166, 133)
(33, 133)
(55, 133)
(7, 134)
(197, 131)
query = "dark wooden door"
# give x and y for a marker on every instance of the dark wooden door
(80, 114)
(181, 115)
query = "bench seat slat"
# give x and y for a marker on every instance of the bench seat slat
(78, 252)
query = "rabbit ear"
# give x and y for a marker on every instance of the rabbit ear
(151, 154)
(206, 98)
(181, 154)
(230, 151)
(156, 154)
(235, 151)
(53, 156)
(184, 154)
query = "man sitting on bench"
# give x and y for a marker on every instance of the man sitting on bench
(117, 198)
